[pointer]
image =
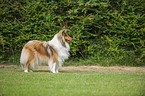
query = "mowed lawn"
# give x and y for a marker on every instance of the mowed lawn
(14, 82)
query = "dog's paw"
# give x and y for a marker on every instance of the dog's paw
(30, 71)
(25, 70)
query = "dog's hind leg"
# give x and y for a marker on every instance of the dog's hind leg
(26, 67)
(28, 63)
(30, 68)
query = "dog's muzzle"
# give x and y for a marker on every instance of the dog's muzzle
(69, 40)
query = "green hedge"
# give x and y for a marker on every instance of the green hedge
(100, 28)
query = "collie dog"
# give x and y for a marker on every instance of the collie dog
(53, 52)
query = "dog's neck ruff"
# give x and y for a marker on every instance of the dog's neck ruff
(62, 51)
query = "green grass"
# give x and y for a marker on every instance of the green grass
(14, 82)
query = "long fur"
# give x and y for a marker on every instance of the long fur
(53, 52)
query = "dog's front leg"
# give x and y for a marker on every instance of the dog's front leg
(54, 67)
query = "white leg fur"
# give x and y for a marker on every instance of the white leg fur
(50, 66)
(54, 66)
(57, 66)
(26, 70)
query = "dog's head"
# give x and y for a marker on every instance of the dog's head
(64, 36)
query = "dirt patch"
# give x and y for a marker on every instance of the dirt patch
(6, 66)
(85, 68)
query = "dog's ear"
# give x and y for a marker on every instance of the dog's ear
(62, 32)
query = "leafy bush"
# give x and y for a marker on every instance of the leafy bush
(100, 28)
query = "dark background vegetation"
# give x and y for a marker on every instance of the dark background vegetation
(105, 32)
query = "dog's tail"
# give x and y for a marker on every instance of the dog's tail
(22, 65)
(24, 57)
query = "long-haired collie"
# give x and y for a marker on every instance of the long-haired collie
(53, 52)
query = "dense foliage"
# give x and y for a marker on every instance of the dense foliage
(101, 29)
